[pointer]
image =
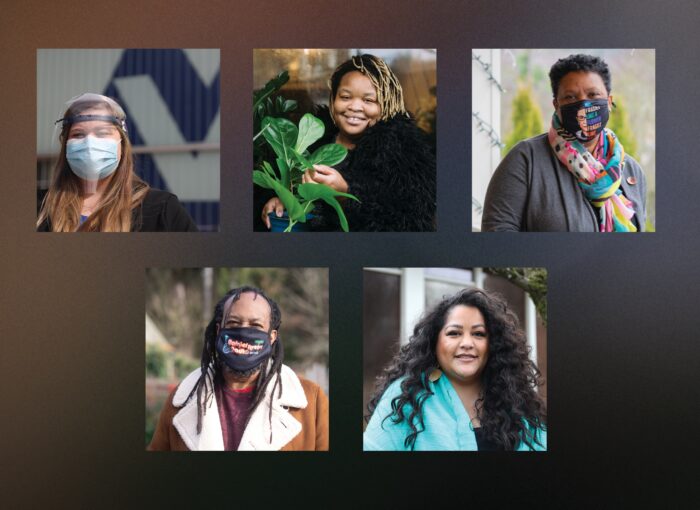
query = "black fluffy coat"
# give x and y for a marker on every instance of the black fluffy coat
(391, 171)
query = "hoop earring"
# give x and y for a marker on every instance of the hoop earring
(435, 374)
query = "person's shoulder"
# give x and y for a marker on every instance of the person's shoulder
(309, 387)
(393, 390)
(632, 165)
(397, 125)
(155, 196)
(182, 392)
(531, 144)
(537, 439)
(162, 211)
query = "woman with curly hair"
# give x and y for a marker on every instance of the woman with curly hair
(463, 382)
(390, 165)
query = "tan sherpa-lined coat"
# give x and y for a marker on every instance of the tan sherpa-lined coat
(299, 419)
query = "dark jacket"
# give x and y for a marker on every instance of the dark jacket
(160, 211)
(531, 190)
(391, 171)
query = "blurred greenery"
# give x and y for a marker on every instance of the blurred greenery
(181, 303)
(527, 117)
(620, 124)
(155, 362)
(532, 280)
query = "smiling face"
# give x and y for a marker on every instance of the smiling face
(355, 106)
(250, 311)
(462, 347)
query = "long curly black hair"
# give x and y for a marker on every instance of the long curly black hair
(211, 366)
(509, 408)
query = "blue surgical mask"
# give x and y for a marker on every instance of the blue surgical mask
(92, 158)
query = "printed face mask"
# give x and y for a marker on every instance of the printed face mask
(585, 119)
(92, 158)
(243, 349)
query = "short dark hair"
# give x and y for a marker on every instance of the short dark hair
(580, 62)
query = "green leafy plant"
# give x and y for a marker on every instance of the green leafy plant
(267, 104)
(290, 144)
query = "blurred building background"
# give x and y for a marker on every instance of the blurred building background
(395, 298)
(512, 101)
(180, 304)
(171, 99)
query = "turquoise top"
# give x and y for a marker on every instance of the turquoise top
(447, 424)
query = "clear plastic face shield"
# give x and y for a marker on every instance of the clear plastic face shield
(92, 127)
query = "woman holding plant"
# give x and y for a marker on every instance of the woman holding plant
(389, 170)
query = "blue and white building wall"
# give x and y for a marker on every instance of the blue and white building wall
(172, 101)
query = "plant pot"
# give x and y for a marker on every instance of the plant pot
(281, 224)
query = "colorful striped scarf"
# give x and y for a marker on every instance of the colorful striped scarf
(599, 175)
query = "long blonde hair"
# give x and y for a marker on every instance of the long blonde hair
(62, 204)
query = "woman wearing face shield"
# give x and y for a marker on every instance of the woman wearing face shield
(94, 187)
(577, 177)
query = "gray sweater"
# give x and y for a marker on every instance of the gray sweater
(532, 191)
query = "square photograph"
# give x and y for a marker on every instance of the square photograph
(237, 359)
(563, 140)
(455, 359)
(128, 140)
(344, 140)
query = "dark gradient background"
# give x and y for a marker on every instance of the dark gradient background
(623, 345)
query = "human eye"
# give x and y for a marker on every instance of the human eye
(76, 134)
(479, 333)
(453, 332)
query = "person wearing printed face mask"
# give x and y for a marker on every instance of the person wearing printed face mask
(94, 187)
(577, 177)
(243, 397)
(390, 165)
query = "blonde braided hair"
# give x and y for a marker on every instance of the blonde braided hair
(385, 82)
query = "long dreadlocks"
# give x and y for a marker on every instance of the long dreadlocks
(387, 85)
(211, 366)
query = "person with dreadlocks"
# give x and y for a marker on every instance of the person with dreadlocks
(577, 177)
(95, 187)
(243, 397)
(390, 165)
(463, 382)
